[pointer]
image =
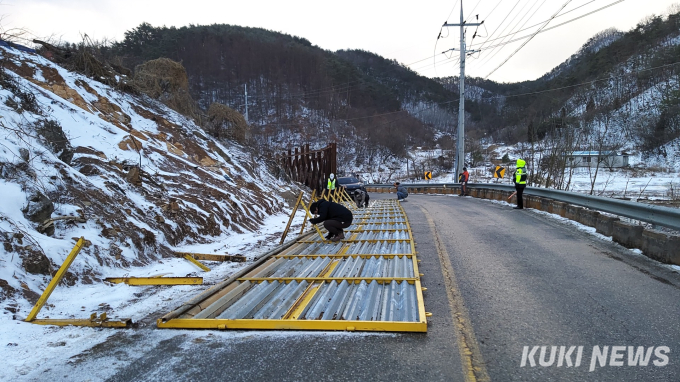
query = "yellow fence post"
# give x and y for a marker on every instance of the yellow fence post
(55, 280)
(196, 263)
(313, 225)
(155, 280)
(346, 196)
(304, 222)
(292, 215)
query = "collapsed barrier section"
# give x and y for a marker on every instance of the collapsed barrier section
(94, 321)
(369, 282)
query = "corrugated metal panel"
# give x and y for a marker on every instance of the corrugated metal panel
(369, 281)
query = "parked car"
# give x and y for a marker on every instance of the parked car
(351, 183)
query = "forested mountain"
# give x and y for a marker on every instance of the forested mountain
(621, 86)
(297, 92)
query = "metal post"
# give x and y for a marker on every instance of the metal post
(292, 215)
(461, 103)
(311, 200)
(55, 280)
(460, 147)
(246, 87)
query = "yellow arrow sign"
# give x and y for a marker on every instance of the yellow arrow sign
(499, 172)
(428, 174)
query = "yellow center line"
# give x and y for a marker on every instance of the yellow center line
(470, 354)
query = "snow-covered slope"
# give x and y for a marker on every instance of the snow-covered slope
(134, 178)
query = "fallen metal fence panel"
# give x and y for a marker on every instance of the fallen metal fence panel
(369, 281)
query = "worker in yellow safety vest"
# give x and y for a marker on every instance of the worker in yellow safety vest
(520, 180)
(331, 183)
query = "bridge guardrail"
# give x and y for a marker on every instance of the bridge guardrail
(656, 215)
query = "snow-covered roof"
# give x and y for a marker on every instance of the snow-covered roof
(593, 153)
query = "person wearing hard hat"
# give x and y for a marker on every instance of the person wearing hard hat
(331, 182)
(519, 177)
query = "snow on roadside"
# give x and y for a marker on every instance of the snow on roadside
(244, 214)
(34, 352)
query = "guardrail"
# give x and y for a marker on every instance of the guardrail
(656, 215)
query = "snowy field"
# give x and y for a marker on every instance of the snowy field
(639, 182)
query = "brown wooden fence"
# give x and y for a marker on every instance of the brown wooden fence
(311, 168)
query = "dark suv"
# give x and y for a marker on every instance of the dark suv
(351, 183)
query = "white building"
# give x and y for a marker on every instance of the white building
(592, 158)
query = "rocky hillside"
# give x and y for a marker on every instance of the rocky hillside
(135, 178)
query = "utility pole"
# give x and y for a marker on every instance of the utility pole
(246, 87)
(460, 157)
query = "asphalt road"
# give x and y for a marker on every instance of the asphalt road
(527, 279)
(498, 280)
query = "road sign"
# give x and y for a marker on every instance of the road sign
(499, 172)
(428, 175)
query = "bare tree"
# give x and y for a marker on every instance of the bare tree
(12, 35)
(603, 142)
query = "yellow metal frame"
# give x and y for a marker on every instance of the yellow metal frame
(156, 280)
(196, 263)
(350, 200)
(55, 280)
(102, 321)
(293, 324)
(292, 216)
(340, 195)
(359, 240)
(96, 322)
(309, 215)
(391, 223)
(351, 280)
(299, 306)
(212, 257)
(304, 222)
(375, 230)
(291, 319)
(347, 255)
(419, 287)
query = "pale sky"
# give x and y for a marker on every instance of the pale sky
(396, 29)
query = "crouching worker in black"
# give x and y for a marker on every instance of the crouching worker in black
(334, 216)
(360, 198)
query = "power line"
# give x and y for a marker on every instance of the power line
(530, 38)
(482, 43)
(473, 10)
(535, 25)
(511, 22)
(452, 9)
(494, 8)
(559, 25)
(525, 22)
(453, 61)
(609, 78)
(334, 88)
(630, 74)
